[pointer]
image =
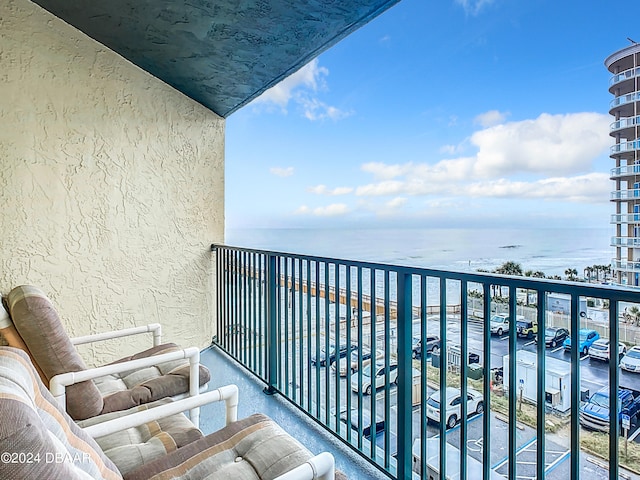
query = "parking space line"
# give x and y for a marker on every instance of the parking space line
(557, 461)
(531, 447)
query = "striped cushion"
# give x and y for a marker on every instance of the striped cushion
(133, 447)
(44, 440)
(251, 448)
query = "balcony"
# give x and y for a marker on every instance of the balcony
(286, 319)
(626, 265)
(625, 242)
(626, 75)
(625, 171)
(625, 149)
(625, 127)
(625, 218)
(631, 194)
(624, 104)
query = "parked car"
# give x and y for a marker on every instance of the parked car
(475, 404)
(600, 350)
(432, 345)
(373, 377)
(594, 414)
(351, 362)
(526, 328)
(499, 324)
(586, 339)
(554, 336)
(367, 430)
(324, 359)
(631, 361)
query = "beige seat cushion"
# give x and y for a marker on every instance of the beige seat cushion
(42, 439)
(136, 387)
(133, 447)
(249, 449)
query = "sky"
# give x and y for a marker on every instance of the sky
(447, 113)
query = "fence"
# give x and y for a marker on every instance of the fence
(278, 314)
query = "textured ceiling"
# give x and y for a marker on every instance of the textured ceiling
(221, 53)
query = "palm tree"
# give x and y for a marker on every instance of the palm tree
(571, 274)
(587, 273)
(509, 268)
(607, 271)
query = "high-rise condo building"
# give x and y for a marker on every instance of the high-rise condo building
(625, 129)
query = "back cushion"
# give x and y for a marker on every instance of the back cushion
(37, 438)
(13, 338)
(39, 325)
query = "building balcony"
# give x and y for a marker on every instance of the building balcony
(624, 104)
(629, 74)
(625, 242)
(625, 127)
(623, 82)
(293, 321)
(625, 265)
(624, 195)
(625, 218)
(625, 171)
(625, 150)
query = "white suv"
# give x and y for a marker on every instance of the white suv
(500, 323)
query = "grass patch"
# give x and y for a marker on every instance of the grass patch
(597, 444)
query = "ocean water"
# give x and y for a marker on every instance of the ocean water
(550, 250)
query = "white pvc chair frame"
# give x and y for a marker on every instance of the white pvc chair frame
(58, 384)
(320, 467)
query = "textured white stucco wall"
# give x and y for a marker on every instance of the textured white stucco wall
(111, 185)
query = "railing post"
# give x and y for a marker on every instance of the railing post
(272, 331)
(404, 376)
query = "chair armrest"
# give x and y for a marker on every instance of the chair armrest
(154, 328)
(320, 467)
(59, 383)
(228, 394)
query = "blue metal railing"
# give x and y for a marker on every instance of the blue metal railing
(291, 318)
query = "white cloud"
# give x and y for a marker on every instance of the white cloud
(490, 118)
(302, 210)
(592, 187)
(549, 144)
(384, 171)
(314, 109)
(396, 202)
(301, 88)
(473, 7)
(281, 172)
(550, 157)
(333, 210)
(323, 190)
(310, 76)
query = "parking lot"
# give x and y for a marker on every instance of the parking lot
(594, 375)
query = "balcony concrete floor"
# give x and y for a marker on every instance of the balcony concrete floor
(225, 370)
